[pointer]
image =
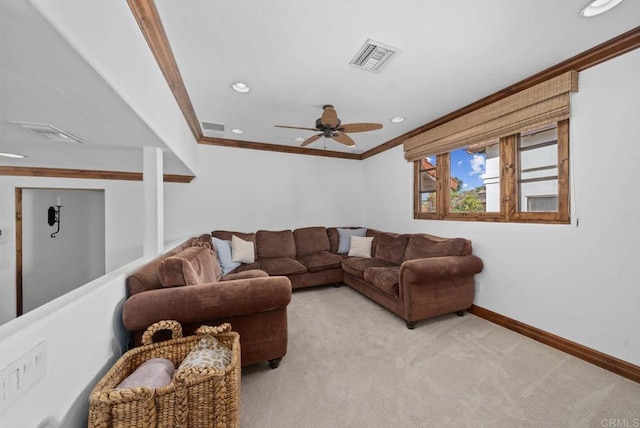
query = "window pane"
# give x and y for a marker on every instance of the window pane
(475, 178)
(428, 185)
(538, 170)
(542, 203)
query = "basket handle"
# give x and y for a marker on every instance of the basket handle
(174, 326)
(207, 329)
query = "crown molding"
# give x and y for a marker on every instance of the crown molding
(28, 171)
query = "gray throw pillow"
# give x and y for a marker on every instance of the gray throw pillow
(344, 235)
(223, 251)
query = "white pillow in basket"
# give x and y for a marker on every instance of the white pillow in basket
(207, 353)
(360, 247)
(242, 251)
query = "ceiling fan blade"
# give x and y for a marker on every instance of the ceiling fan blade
(360, 127)
(329, 117)
(295, 127)
(344, 139)
(310, 140)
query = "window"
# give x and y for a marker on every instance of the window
(523, 177)
(475, 175)
(427, 184)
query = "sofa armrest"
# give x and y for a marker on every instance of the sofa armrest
(193, 303)
(419, 270)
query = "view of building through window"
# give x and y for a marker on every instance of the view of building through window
(538, 169)
(428, 185)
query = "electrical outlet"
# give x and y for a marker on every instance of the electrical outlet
(5, 264)
(17, 377)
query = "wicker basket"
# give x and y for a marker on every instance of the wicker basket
(210, 399)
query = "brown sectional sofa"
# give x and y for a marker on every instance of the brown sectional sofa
(415, 276)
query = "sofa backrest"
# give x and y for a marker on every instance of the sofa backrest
(422, 245)
(192, 266)
(311, 240)
(391, 247)
(275, 244)
(148, 276)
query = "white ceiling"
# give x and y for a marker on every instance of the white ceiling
(295, 57)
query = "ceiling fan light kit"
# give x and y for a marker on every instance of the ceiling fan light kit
(331, 127)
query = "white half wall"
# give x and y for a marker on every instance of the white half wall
(123, 226)
(577, 281)
(84, 337)
(247, 190)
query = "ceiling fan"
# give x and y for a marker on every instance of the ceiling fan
(331, 127)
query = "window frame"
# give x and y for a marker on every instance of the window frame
(509, 197)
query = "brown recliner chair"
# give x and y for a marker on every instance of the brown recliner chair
(186, 285)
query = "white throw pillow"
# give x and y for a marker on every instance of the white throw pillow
(360, 247)
(242, 251)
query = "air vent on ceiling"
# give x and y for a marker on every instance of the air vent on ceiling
(208, 126)
(373, 56)
(51, 132)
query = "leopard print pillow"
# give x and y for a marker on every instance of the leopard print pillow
(206, 354)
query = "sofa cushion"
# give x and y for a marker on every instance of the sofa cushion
(192, 266)
(320, 261)
(276, 244)
(244, 267)
(247, 274)
(356, 265)
(282, 266)
(421, 247)
(345, 235)
(391, 247)
(372, 233)
(384, 278)
(227, 235)
(224, 255)
(310, 240)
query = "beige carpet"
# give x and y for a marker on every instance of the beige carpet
(351, 363)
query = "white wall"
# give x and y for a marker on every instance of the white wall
(123, 225)
(52, 267)
(84, 337)
(577, 281)
(247, 190)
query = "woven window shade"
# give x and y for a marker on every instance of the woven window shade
(546, 102)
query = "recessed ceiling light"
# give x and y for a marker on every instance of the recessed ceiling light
(299, 139)
(241, 87)
(237, 131)
(12, 155)
(597, 7)
(397, 119)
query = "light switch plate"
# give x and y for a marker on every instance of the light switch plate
(17, 377)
